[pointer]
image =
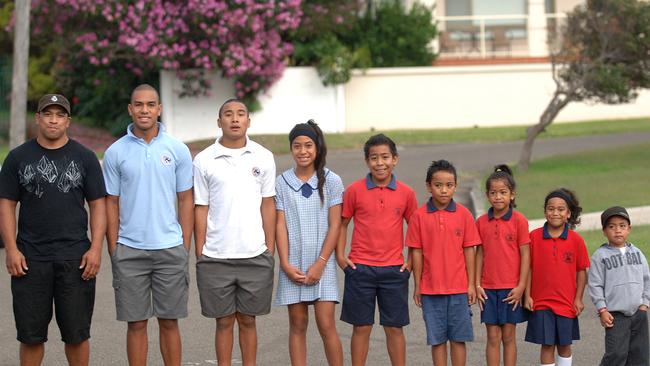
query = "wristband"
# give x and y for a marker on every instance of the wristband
(602, 310)
(323, 258)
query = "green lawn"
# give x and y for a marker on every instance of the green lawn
(4, 150)
(640, 237)
(355, 140)
(600, 178)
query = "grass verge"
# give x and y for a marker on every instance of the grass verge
(355, 140)
(600, 178)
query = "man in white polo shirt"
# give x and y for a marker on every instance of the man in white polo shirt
(234, 189)
(147, 172)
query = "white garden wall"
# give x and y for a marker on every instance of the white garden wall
(464, 96)
(297, 97)
(391, 98)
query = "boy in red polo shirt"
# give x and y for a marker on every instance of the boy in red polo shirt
(375, 270)
(442, 236)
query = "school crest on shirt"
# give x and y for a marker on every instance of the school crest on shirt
(510, 237)
(398, 211)
(166, 159)
(568, 257)
(256, 171)
(458, 232)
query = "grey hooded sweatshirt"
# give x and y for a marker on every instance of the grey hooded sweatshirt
(620, 282)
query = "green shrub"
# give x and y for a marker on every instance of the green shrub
(101, 94)
(396, 36)
(336, 37)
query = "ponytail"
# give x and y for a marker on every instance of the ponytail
(321, 158)
(504, 173)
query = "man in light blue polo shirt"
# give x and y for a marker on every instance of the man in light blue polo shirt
(147, 172)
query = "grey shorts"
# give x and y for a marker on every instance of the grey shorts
(150, 283)
(227, 286)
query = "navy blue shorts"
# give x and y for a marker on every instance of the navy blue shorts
(497, 312)
(547, 328)
(447, 318)
(55, 283)
(369, 284)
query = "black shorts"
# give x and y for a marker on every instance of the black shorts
(57, 282)
(386, 286)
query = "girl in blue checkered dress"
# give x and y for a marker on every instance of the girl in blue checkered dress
(308, 202)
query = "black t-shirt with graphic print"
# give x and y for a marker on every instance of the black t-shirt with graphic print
(51, 186)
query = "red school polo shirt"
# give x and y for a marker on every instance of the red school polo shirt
(501, 239)
(442, 235)
(554, 264)
(379, 214)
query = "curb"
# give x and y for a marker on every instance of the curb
(477, 199)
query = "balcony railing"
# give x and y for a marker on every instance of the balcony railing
(490, 36)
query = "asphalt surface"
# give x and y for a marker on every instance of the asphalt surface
(108, 335)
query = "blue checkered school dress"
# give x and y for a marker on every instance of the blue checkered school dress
(307, 225)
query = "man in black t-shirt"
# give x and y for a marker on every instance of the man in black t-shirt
(51, 261)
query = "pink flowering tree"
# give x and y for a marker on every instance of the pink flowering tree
(243, 39)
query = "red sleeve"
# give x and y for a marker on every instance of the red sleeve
(532, 248)
(411, 205)
(523, 237)
(472, 238)
(413, 238)
(349, 202)
(479, 224)
(583, 255)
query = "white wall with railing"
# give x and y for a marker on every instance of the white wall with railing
(488, 36)
(488, 29)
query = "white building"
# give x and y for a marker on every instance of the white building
(492, 70)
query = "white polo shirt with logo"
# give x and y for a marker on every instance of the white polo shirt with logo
(232, 183)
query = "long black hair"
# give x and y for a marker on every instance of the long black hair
(321, 158)
(571, 201)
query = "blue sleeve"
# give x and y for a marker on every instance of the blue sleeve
(335, 188)
(279, 193)
(111, 170)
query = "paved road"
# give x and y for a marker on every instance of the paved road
(108, 335)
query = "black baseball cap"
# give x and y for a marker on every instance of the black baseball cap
(53, 99)
(614, 211)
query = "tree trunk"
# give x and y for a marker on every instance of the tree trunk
(19, 77)
(559, 101)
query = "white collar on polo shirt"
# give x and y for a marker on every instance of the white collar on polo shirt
(220, 150)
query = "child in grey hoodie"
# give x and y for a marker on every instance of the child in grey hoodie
(619, 286)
